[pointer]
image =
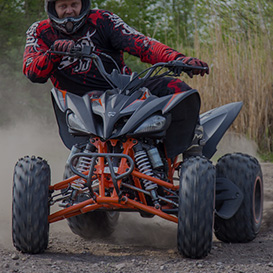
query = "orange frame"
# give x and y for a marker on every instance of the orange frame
(114, 202)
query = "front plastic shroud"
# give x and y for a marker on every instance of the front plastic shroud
(100, 120)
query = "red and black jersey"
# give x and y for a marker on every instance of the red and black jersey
(105, 32)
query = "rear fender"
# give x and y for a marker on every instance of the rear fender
(215, 123)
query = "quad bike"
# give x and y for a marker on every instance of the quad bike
(128, 154)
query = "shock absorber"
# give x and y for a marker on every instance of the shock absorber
(144, 166)
(83, 165)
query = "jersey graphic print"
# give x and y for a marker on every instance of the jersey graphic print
(31, 36)
(32, 41)
(84, 64)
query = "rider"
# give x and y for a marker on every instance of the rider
(72, 23)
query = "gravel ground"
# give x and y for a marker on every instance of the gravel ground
(137, 245)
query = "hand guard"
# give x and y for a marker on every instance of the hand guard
(63, 45)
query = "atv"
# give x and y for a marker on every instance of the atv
(129, 152)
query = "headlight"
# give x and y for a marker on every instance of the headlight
(75, 123)
(153, 124)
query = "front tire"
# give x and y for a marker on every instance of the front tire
(94, 224)
(244, 171)
(30, 227)
(196, 207)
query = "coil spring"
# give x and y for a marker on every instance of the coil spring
(83, 165)
(144, 166)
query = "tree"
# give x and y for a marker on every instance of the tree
(15, 18)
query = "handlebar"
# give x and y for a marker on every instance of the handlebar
(175, 67)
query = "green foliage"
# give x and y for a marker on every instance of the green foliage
(15, 18)
(266, 157)
(243, 17)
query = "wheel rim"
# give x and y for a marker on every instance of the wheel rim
(258, 200)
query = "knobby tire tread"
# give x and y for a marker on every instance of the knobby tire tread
(30, 227)
(196, 207)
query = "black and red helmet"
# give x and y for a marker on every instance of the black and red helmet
(68, 25)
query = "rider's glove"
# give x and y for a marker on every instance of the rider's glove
(63, 45)
(195, 62)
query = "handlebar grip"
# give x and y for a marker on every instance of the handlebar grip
(180, 64)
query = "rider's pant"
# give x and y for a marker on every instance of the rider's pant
(162, 86)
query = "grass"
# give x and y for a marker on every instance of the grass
(266, 157)
(240, 70)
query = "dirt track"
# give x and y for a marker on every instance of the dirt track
(138, 245)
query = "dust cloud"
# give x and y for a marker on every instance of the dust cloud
(26, 138)
(149, 232)
(236, 143)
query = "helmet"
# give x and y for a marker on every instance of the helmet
(67, 25)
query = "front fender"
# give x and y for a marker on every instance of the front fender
(215, 123)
